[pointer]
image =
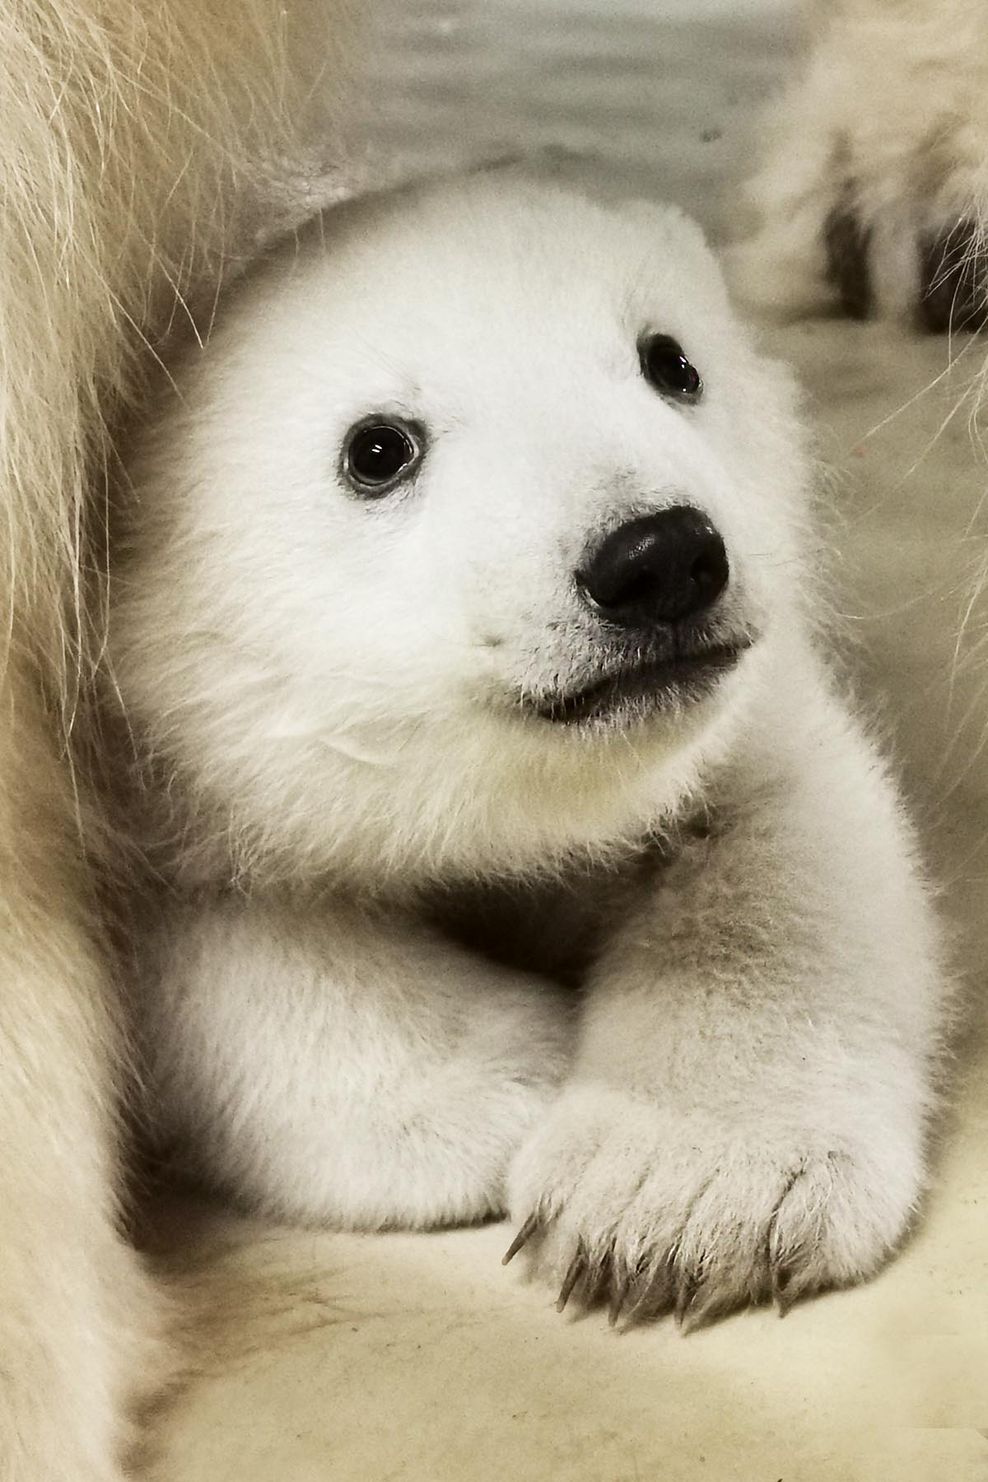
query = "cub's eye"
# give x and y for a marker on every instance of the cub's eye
(665, 366)
(377, 454)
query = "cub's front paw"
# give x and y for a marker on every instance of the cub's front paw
(650, 1210)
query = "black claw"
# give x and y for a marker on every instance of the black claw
(618, 1296)
(526, 1232)
(696, 1314)
(782, 1294)
(650, 1294)
(783, 1298)
(847, 245)
(688, 1289)
(637, 1286)
(577, 1266)
(599, 1280)
(953, 280)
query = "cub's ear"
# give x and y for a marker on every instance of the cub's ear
(592, 176)
(668, 232)
(663, 219)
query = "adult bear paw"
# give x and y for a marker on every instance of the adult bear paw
(872, 192)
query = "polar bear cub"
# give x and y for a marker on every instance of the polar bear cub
(512, 849)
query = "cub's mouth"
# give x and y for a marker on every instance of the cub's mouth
(639, 688)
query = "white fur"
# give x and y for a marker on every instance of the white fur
(400, 1071)
(888, 114)
(143, 148)
(326, 698)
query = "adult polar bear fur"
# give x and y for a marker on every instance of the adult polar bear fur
(140, 146)
(872, 191)
(543, 705)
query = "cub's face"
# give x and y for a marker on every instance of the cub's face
(460, 542)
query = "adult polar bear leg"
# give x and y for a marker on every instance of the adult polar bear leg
(873, 191)
(747, 1109)
(78, 1324)
(138, 152)
(338, 1066)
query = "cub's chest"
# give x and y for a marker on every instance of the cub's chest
(554, 927)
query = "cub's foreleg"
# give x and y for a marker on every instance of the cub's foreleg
(754, 1072)
(334, 1065)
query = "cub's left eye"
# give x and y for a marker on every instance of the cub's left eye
(377, 455)
(665, 366)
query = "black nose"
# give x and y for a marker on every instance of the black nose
(660, 568)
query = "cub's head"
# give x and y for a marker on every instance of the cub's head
(461, 543)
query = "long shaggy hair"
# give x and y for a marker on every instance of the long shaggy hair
(143, 149)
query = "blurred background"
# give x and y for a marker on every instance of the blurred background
(661, 92)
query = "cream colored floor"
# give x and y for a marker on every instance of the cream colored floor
(322, 1356)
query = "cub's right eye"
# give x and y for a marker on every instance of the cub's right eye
(378, 455)
(665, 366)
